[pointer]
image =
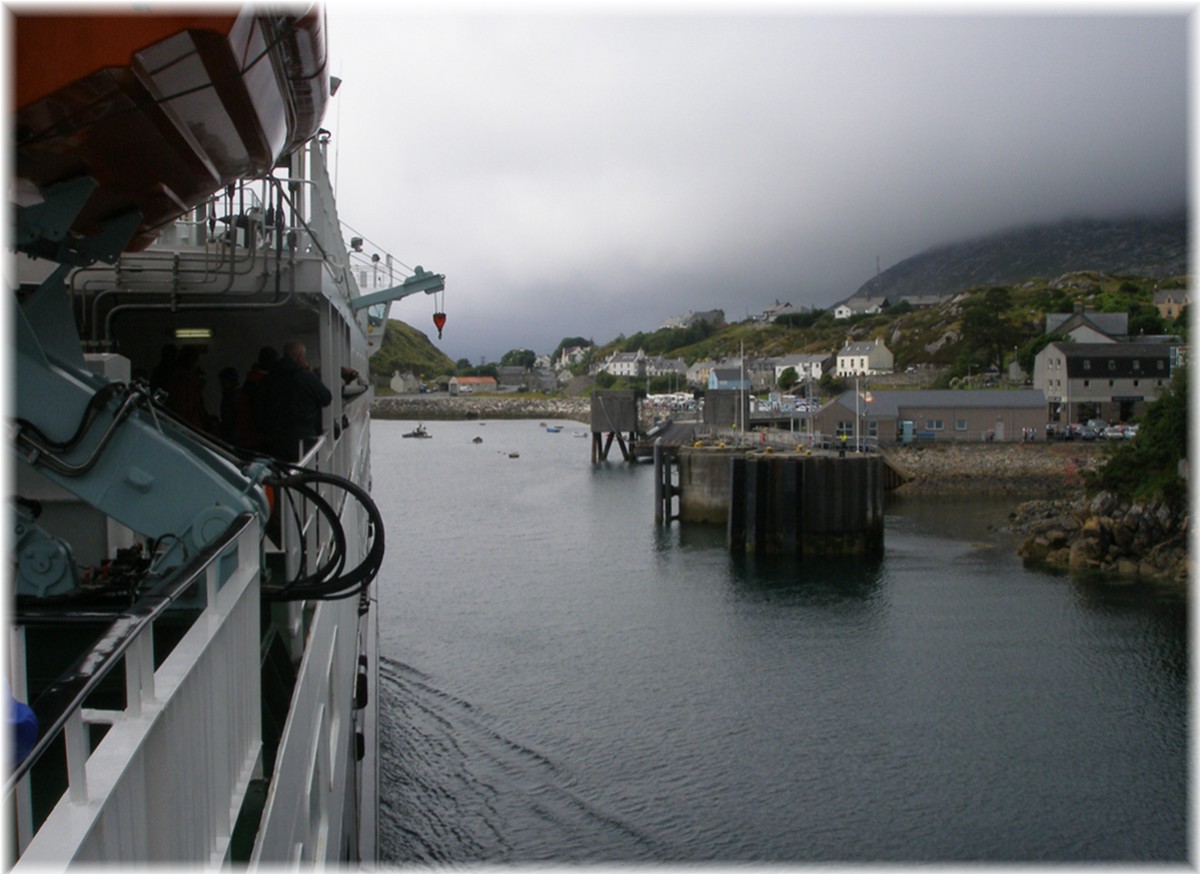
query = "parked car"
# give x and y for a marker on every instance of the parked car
(1114, 432)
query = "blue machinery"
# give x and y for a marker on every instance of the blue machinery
(113, 445)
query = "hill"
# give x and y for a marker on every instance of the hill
(1140, 247)
(968, 332)
(405, 348)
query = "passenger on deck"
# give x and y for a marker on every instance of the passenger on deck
(290, 399)
(185, 391)
(237, 416)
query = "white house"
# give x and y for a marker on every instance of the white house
(571, 355)
(630, 364)
(858, 306)
(865, 359)
(776, 310)
(404, 383)
(807, 366)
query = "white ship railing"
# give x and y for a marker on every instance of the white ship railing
(131, 798)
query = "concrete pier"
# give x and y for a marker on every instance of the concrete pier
(780, 503)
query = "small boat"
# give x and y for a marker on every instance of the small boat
(477, 440)
(514, 455)
(418, 431)
(554, 429)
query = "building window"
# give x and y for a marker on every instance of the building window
(960, 424)
(1087, 365)
(1137, 365)
(1112, 365)
(1136, 383)
(845, 429)
(1161, 365)
(934, 425)
(1087, 383)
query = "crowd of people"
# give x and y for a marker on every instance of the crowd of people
(275, 409)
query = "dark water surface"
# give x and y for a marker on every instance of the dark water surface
(565, 681)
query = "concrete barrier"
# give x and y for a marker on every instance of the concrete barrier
(807, 505)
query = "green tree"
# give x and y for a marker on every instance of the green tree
(830, 384)
(986, 330)
(1030, 349)
(788, 379)
(1148, 465)
(518, 358)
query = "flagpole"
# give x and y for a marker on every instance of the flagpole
(857, 445)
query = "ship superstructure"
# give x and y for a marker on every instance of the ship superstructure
(193, 625)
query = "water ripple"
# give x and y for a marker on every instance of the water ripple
(460, 790)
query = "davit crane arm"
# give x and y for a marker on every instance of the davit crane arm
(105, 443)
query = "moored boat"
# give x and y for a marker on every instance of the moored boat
(193, 623)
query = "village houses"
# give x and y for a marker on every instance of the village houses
(865, 358)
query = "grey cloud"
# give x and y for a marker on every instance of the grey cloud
(594, 174)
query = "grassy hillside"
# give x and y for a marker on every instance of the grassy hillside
(948, 335)
(407, 349)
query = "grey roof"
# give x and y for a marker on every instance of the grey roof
(1112, 324)
(889, 404)
(1113, 350)
(865, 347)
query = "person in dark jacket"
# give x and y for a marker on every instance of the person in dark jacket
(291, 397)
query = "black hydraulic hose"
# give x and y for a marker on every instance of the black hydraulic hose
(337, 559)
(359, 578)
(98, 401)
(43, 455)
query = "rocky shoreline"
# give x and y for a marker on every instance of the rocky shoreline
(1146, 541)
(442, 408)
(993, 468)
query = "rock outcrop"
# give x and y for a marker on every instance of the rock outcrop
(1132, 539)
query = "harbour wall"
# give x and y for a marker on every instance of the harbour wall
(443, 407)
(993, 468)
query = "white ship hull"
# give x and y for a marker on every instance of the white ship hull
(193, 622)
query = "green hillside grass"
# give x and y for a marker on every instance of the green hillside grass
(404, 349)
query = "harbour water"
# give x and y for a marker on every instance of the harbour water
(564, 681)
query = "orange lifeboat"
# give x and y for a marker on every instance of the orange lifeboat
(159, 110)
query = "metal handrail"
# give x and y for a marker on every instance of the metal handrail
(55, 706)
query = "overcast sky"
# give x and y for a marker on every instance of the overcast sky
(589, 173)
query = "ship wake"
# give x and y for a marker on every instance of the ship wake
(457, 789)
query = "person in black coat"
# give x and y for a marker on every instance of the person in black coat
(290, 399)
